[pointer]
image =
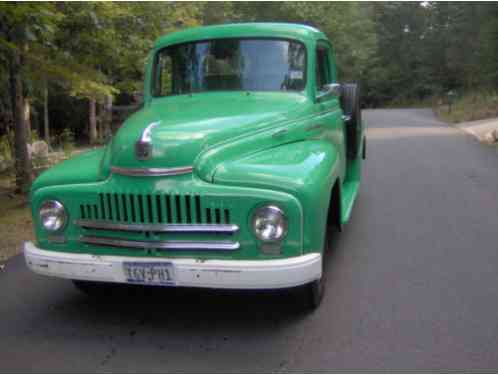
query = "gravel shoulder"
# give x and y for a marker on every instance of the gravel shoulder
(485, 131)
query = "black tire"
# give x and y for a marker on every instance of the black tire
(314, 291)
(92, 288)
(350, 103)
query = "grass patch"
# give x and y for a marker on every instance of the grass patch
(15, 221)
(469, 107)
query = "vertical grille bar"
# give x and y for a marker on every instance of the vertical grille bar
(178, 207)
(172, 201)
(124, 208)
(159, 208)
(109, 206)
(133, 213)
(198, 213)
(140, 206)
(150, 209)
(116, 209)
(167, 203)
(188, 209)
(102, 206)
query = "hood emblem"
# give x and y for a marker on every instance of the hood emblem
(143, 147)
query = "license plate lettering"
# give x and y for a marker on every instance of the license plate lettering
(149, 273)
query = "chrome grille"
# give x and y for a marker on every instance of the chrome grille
(153, 208)
(159, 228)
(163, 245)
(131, 220)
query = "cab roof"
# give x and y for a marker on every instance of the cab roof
(298, 32)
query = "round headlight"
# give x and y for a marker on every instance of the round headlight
(52, 215)
(269, 223)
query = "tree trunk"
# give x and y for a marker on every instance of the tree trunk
(93, 122)
(46, 129)
(107, 117)
(27, 118)
(22, 161)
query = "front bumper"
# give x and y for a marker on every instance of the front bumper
(189, 272)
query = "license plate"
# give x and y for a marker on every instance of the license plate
(149, 273)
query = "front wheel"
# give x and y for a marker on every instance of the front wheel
(314, 293)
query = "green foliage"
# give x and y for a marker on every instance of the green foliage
(427, 49)
(476, 105)
(6, 142)
(400, 52)
(34, 136)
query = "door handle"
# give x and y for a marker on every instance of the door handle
(314, 127)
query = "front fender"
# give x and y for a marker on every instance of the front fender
(306, 169)
(83, 168)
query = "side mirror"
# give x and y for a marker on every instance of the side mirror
(330, 89)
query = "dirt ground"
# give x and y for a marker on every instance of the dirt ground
(15, 221)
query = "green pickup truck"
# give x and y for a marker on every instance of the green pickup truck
(245, 153)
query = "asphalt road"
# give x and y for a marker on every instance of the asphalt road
(412, 284)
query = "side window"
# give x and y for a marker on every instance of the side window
(322, 68)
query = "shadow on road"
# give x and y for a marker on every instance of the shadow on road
(184, 310)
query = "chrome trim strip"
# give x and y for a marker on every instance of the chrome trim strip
(151, 171)
(164, 245)
(166, 228)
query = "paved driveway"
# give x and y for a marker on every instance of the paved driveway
(412, 284)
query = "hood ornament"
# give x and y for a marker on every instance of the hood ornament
(143, 147)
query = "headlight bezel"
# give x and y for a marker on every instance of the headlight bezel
(269, 210)
(52, 205)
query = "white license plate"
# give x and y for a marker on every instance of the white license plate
(149, 273)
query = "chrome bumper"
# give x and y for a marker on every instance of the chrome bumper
(189, 272)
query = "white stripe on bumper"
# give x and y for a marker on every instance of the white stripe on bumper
(229, 274)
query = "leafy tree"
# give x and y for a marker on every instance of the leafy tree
(22, 27)
(75, 59)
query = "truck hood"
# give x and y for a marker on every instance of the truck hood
(184, 126)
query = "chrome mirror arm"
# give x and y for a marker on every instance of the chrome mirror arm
(334, 89)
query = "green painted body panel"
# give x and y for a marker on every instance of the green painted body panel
(247, 149)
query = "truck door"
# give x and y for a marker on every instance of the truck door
(328, 107)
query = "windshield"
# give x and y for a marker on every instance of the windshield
(230, 64)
